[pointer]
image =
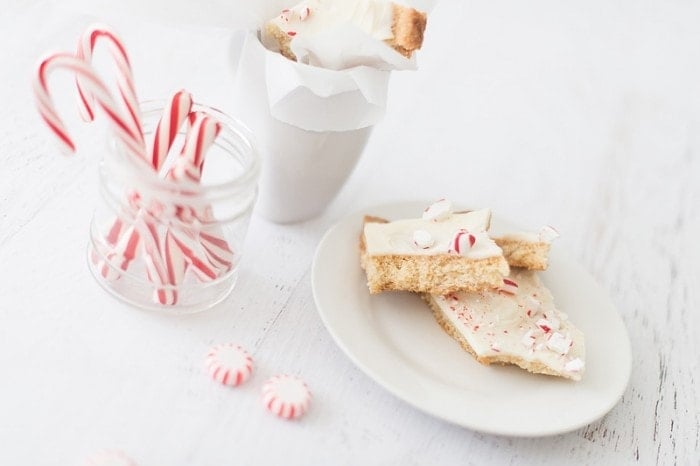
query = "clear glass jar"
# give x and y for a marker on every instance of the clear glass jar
(174, 244)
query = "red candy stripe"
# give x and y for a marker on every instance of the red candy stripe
(509, 286)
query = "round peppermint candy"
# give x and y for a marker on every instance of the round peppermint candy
(229, 364)
(286, 396)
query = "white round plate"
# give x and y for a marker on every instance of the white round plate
(394, 339)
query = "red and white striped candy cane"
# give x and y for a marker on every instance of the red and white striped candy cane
(168, 255)
(175, 261)
(130, 112)
(178, 251)
(125, 81)
(174, 116)
(202, 131)
(122, 242)
(186, 245)
(156, 261)
(120, 255)
(217, 257)
(91, 82)
(218, 250)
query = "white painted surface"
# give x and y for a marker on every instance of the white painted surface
(585, 117)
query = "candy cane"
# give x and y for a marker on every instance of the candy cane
(157, 264)
(218, 250)
(175, 114)
(127, 91)
(169, 124)
(123, 240)
(208, 258)
(205, 129)
(120, 256)
(213, 256)
(168, 257)
(91, 82)
(175, 262)
(125, 81)
(202, 131)
(186, 246)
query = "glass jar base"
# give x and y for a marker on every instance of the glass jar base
(138, 292)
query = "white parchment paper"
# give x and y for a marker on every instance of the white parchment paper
(318, 99)
(308, 97)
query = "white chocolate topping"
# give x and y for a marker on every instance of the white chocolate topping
(438, 211)
(575, 365)
(314, 16)
(547, 234)
(397, 238)
(423, 239)
(502, 324)
(320, 28)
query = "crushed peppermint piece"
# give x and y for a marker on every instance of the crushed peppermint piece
(545, 325)
(548, 234)
(559, 343)
(575, 365)
(528, 339)
(509, 286)
(438, 211)
(495, 347)
(423, 239)
(462, 242)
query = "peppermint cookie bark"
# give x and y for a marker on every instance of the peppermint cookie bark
(398, 26)
(527, 249)
(439, 253)
(516, 324)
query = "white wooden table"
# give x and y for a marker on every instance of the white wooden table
(584, 117)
